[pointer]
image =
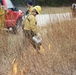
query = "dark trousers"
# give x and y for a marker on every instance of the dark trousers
(28, 35)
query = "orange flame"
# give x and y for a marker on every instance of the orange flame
(15, 64)
(15, 68)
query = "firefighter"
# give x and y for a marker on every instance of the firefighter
(2, 16)
(74, 10)
(30, 7)
(29, 24)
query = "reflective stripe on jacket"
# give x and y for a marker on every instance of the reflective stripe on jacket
(30, 10)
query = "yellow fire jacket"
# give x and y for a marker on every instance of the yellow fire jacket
(30, 10)
(30, 23)
(2, 17)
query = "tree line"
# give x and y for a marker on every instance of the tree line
(45, 2)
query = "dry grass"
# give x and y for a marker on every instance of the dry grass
(58, 58)
(62, 52)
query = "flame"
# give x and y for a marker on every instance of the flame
(49, 46)
(41, 50)
(15, 64)
(15, 68)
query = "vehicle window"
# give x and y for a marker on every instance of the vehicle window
(1, 2)
(9, 4)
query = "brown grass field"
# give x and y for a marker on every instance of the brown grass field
(57, 55)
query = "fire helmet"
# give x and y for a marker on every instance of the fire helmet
(38, 9)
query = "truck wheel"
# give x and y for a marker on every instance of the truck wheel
(14, 29)
(18, 25)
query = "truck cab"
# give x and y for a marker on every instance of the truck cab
(13, 16)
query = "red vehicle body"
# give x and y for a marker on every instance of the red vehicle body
(13, 16)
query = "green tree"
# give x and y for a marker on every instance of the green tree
(45, 2)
